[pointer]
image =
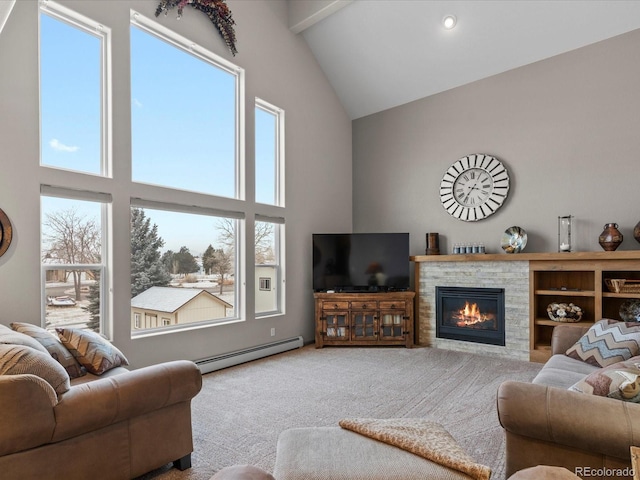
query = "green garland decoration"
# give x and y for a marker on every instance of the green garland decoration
(217, 11)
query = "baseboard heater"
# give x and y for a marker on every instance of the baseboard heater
(210, 364)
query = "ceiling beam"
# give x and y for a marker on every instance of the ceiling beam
(305, 13)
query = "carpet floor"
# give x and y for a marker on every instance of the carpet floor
(241, 410)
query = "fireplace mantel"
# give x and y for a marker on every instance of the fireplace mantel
(519, 257)
(531, 281)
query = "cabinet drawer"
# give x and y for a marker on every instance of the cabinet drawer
(392, 305)
(364, 305)
(335, 305)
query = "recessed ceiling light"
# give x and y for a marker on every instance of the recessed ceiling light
(449, 22)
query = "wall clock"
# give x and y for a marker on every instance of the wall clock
(6, 232)
(474, 187)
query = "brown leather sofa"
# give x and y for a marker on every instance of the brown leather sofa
(546, 424)
(116, 426)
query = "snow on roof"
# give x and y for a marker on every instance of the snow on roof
(168, 299)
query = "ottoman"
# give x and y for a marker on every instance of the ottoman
(334, 453)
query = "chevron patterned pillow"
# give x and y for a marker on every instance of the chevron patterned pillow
(93, 351)
(19, 359)
(607, 342)
(53, 345)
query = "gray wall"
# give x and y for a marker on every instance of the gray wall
(279, 69)
(567, 128)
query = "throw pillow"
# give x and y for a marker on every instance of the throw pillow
(93, 351)
(18, 359)
(620, 381)
(53, 345)
(10, 337)
(607, 342)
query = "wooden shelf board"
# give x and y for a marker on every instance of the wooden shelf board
(567, 293)
(550, 323)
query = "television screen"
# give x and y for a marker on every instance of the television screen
(352, 262)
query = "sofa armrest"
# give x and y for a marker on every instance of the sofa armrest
(106, 401)
(26, 412)
(586, 422)
(564, 336)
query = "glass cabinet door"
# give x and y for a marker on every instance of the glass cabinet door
(392, 325)
(364, 326)
(336, 326)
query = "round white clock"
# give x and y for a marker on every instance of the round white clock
(474, 187)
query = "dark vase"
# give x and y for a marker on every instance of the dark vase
(610, 238)
(636, 232)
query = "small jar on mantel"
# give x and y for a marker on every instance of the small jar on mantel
(610, 238)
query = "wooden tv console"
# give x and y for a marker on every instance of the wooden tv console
(364, 319)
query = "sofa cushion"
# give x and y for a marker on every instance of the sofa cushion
(11, 337)
(620, 381)
(19, 360)
(561, 371)
(607, 342)
(93, 351)
(53, 345)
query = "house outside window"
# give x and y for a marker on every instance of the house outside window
(265, 284)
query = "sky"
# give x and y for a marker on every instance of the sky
(183, 123)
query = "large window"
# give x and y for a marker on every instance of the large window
(268, 266)
(269, 152)
(184, 268)
(74, 76)
(73, 252)
(185, 265)
(185, 200)
(75, 135)
(184, 106)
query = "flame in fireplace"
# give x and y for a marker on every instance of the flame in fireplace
(470, 315)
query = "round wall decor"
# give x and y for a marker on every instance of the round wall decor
(5, 232)
(474, 187)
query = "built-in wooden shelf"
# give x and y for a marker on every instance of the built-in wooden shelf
(568, 277)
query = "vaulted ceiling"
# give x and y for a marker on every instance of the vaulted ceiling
(378, 54)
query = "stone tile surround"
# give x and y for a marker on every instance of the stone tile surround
(513, 276)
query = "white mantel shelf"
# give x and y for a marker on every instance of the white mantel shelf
(527, 257)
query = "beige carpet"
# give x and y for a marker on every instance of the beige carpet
(241, 410)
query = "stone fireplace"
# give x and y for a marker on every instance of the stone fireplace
(470, 314)
(511, 275)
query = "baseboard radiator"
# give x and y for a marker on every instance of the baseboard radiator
(210, 364)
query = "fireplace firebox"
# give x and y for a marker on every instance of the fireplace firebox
(470, 314)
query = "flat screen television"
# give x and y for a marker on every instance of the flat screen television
(360, 262)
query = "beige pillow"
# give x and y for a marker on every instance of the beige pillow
(94, 352)
(18, 359)
(10, 337)
(53, 345)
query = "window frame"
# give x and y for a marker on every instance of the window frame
(279, 282)
(105, 267)
(239, 266)
(279, 114)
(165, 34)
(102, 32)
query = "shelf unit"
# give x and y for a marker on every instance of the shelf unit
(364, 319)
(579, 280)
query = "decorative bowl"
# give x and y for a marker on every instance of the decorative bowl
(514, 240)
(564, 312)
(630, 311)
